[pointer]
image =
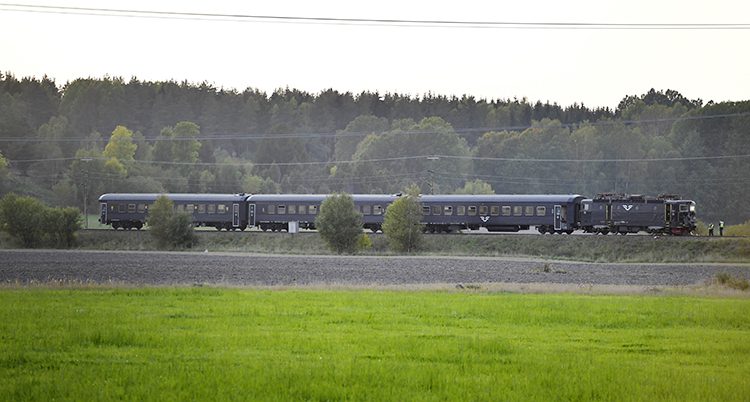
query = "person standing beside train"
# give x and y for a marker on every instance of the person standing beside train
(721, 228)
(710, 229)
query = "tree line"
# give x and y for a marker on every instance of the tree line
(68, 144)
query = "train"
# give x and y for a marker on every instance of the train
(547, 213)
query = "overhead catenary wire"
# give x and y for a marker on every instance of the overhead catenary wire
(390, 22)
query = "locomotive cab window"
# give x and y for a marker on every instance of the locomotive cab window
(495, 210)
(461, 210)
(472, 210)
(506, 210)
(541, 211)
(683, 208)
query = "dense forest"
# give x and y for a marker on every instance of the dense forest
(69, 144)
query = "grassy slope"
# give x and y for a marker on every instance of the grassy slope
(209, 344)
(579, 248)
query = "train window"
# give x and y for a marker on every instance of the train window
(190, 208)
(517, 210)
(178, 207)
(367, 209)
(131, 208)
(425, 209)
(461, 210)
(112, 207)
(281, 209)
(222, 208)
(541, 211)
(683, 208)
(141, 208)
(482, 210)
(121, 208)
(495, 210)
(272, 209)
(313, 209)
(586, 207)
(377, 210)
(472, 210)
(201, 208)
(448, 210)
(506, 210)
(529, 211)
(436, 209)
(211, 208)
(291, 209)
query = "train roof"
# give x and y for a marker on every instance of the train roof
(174, 197)
(501, 198)
(318, 197)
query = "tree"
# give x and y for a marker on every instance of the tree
(62, 225)
(339, 224)
(476, 187)
(170, 229)
(120, 145)
(402, 224)
(23, 218)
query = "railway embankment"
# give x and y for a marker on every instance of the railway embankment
(587, 248)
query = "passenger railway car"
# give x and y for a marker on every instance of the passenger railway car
(129, 211)
(500, 213)
(276, 211)
(623, 214)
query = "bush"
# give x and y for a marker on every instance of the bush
(63, 223)
(339, 224)
(34, 224)
(402, 225)
(170, 229)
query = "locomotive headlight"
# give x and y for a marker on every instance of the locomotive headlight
(692, 208)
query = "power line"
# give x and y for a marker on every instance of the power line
(402, 158)
(472, 24)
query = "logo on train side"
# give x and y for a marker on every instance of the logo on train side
(628, 207)
(484, 218)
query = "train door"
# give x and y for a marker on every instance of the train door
(235, 215)
(608, 213)
(103, 213)
(558, 217)
(667, 214)
(251, 214)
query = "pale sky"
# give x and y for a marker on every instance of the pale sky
(596, 67)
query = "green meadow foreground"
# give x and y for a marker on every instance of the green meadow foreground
(239, 344)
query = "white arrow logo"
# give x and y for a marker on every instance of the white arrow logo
(484, 218)
(627, 207)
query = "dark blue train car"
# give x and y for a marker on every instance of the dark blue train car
(623, 214)
(275, 212)
(501, 213)
(222, 211)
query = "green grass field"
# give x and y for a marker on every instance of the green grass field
(230, 344)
